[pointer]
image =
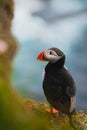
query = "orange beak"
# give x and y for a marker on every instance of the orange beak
(41, 56)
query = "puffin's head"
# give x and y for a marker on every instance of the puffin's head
(52, 55)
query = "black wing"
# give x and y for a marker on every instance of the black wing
(59, 90)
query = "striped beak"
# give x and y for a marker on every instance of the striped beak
(41, 56)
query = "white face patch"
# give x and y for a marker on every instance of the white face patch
(72, 103)
(52, 56)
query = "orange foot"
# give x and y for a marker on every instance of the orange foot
(52, 110)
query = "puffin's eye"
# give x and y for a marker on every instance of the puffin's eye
(50, 52)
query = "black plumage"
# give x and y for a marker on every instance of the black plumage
(58, 85)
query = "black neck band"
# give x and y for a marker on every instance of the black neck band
(57, 65)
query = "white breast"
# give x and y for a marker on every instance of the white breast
(43, 74)
(65, 67)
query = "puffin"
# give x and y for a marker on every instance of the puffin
(58, 84)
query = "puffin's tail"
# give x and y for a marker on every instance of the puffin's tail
(70, 115)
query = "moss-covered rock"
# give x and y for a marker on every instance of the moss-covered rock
(78, 120)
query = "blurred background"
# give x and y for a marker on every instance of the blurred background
(41, 24)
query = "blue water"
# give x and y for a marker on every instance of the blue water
(70, 35)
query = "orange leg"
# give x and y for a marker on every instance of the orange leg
(52, 110)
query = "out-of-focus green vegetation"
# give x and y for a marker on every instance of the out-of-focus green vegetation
(8, 6)
(13, 113)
